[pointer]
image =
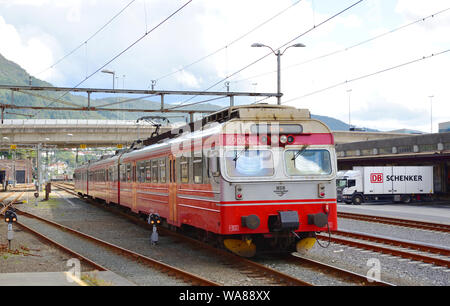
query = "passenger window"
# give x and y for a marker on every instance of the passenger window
(140, 172)
(198, 170)
(155, 171)
(148, 172)
(184, 169)
(123, 174)
(162, 171)
(128, 172)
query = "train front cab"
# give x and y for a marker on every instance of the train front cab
(276, 191)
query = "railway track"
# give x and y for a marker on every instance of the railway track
(341, 273)
(48, 240)
(398, 248)
(245, 266)
(399, 222)
(249, 267)
(153, 264)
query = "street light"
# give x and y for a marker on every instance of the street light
(431, 112)
(110, 72)
(349, 122)
(278, 55)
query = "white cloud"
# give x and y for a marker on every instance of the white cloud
(32, 53)
(187, 79)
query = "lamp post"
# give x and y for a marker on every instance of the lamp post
(431, 113)
(110, 72)
(349, 122)
(278, 54)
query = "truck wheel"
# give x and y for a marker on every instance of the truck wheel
(357, 200)
(406, 199)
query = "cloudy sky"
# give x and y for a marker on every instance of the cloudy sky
(361, 45)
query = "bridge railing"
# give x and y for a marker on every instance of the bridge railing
(73, 122)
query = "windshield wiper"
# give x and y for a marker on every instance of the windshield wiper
(299, 152)
(240, 153)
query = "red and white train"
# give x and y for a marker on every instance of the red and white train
(252, 177)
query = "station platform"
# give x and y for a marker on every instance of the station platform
(97, 278)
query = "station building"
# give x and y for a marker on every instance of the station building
(444, 127)
(418, 150)
(22, 167)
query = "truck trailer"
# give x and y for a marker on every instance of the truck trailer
(392, 183)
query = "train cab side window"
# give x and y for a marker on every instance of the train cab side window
(198, 170)
(184, 169)
(162, 171)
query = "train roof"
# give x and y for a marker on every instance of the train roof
(212, 124)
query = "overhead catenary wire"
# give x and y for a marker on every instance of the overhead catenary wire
(350, 47)
(266, 55)
(85, 41)
(368, 75)
(229, 44)
(123, 51)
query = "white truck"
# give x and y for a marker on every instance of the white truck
(394, 183)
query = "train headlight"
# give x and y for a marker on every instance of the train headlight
(283, 139)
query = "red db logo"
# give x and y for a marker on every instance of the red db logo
(376, 177)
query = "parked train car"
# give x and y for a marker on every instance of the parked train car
(250, 177)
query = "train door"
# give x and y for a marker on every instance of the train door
(172, 191)
(133, 188)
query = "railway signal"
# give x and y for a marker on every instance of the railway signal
(10, 218)
(154, 219)
(36, 196)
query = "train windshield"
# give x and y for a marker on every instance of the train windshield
(307, 162)
(249, 163)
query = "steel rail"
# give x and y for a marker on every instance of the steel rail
(60, 246)
(195, 279)
(253, 269)
(426, 259)
(394, 252)
(395, 221)
(5, 207)
(63, 248)
(400, 243)
(297, 259)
